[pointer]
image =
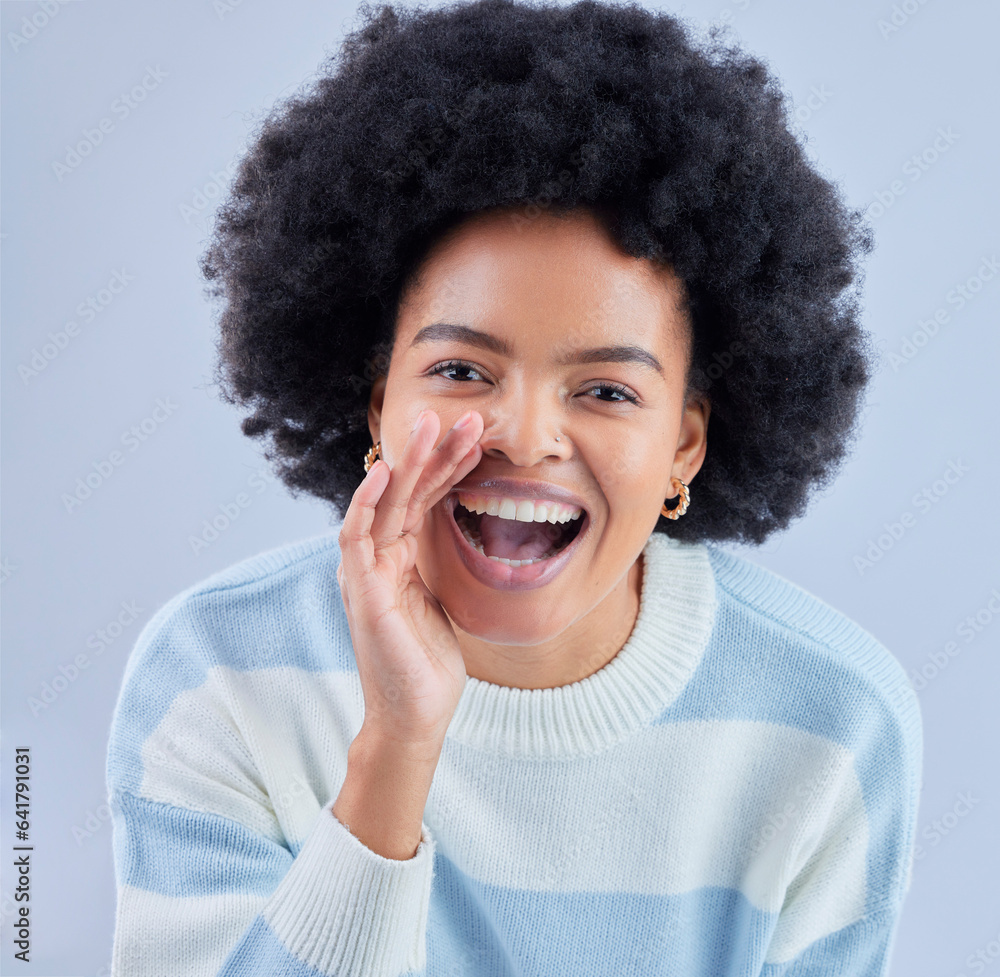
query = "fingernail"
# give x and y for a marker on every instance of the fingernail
(464, 421)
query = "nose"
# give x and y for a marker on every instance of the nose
(521, 427)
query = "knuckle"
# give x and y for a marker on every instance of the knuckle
(399, 504)
(417, 502)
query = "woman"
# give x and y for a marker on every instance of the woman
(486, 286)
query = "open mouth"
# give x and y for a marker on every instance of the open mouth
(538, 535)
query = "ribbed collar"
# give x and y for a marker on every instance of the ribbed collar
(676, 614)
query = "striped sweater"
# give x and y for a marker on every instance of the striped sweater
(735, 793)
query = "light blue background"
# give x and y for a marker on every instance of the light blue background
(877, 99)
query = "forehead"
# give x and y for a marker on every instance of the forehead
(545, 275)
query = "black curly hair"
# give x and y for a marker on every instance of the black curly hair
(427, 116)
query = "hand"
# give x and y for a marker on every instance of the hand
(411, 668)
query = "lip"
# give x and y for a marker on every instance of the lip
(499, 576)
(516, 488)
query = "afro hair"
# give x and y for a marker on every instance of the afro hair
(425, 117)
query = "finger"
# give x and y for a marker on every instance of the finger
(457, 454)
(356, 547)
(390, 514)
(467, 465)
(345, 595)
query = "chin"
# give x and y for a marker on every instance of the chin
(496, 625)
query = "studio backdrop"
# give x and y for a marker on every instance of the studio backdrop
(127, 480)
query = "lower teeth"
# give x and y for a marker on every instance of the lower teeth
(548, 554)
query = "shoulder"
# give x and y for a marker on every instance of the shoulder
(280, 609)
(276, 565)
(817, 668)
(247, 605)
(773, 603)
(839, 696)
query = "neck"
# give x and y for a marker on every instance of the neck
(578, 651)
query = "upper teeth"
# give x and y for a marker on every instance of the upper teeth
(521, 510)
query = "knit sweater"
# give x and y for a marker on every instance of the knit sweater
(734, 793)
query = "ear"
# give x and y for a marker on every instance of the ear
(375, 409)
(692, 443)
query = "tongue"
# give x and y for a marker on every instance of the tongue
(515, 540)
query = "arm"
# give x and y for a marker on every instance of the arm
(199, 894)
(209, 885)
(862, 949)
(862, 829)
(206, 878)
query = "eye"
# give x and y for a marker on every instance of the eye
(622, 392)
(443, 368)
(616, 388)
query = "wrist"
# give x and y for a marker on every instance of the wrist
(377, 743)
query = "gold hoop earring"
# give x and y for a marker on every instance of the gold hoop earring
(372, 456)
(682, 506)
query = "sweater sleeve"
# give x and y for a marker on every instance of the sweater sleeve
(862, 949)
(212, 879)
(200, 894)
(842, 908)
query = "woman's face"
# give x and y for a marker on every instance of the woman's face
(547, 329)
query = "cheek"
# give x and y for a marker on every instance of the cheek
(399, 415)
(631, 470)
(621, 465)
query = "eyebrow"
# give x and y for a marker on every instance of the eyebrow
(447, 331)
